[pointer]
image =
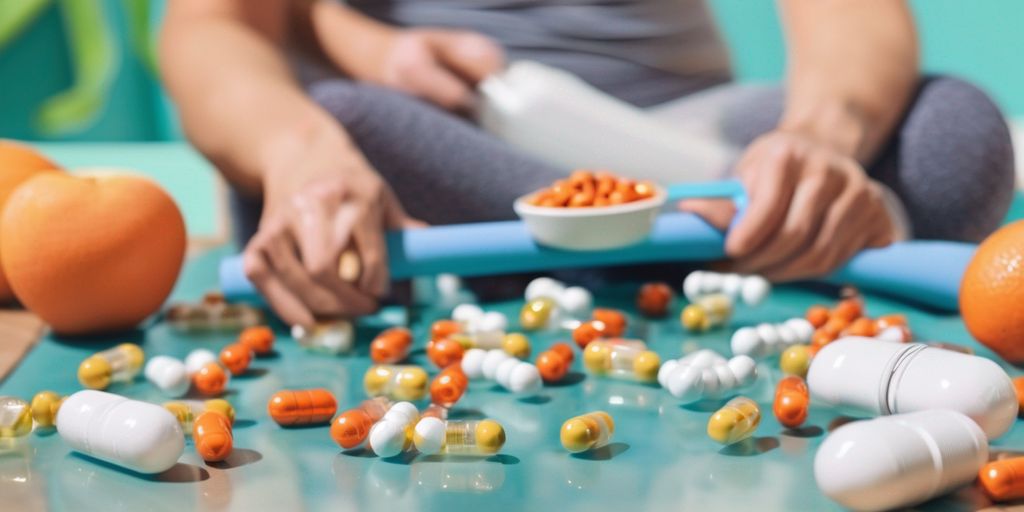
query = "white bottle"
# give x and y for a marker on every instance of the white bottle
(559, 118)
(169, 375)
(901, 460)
(140, 436)
(891, 378)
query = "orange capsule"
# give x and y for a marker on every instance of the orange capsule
(211, 432)
(1018, 386)
(553, 364)
(564, 350)
(614, 321)
(849, 309)
(586, 332)
(259, 339)
(791, 402)
(1003, 480)
(351, 428)
(821, 338)
(442, 329)
(445, 352)
(302, 407)
(448, 386)
(236, 357)
(391, 346)
(210, 380)
(835, 326)
(817, 316)
(886, 321)
(862, 326)
(653, 299)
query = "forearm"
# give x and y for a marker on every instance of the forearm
(352, 41)
(238, 101)
(853, 65)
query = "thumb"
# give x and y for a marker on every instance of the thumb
(717, 212)
(471, 56)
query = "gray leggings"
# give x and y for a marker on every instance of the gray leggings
(950, 161)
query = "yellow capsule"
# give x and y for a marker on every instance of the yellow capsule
(707, 313)
(186, 411)
(397, 382)
(470, 437)
(622, 359)
(587, 432)
(44, 408)
(734, 422)
(795, 360)
(119, 364)
(516, 345)
(15, 418)
(536, 313)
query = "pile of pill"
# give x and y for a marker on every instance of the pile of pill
(847, 319)
(586, 188)
(751, 289)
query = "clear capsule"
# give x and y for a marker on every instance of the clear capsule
(15, 418)
(622, 359)
(213, 313)
(466, 437)
(334, 337)
(707, 313)
(186, 411)
(397, 382)
(119, 364)
(734, 422)
(587, 432)
(44, 408)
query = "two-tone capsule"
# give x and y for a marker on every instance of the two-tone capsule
(211, 433)
(707, 313)
(186, 411)
(554, 363)
(15, 418)
(448, 386)
(622, 359)
(334, 337)
(397, 382)
(45, 405)
(792, 400)
(465, 437)
(587, 432)
(391, 346)
(236, 357)
(351, 428)
(118, 364)
(736, 421)
(302, 407)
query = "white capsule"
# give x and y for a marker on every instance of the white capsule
(687, 384)
(575, 301)
(802, 328)
(891, 378)
(899, 461)
(667, 369)
(726, 379)
(404, 412)
(467, 313)
(430, 434)
(472, 363)
(710, 381)
(544, 287)
(169, 375)
(706, 374)
(732, 285)
(388, 438)
(501, 375)
(197, 359)
(744, 369)
(746, 341)
(494, 357)
(448, 286)
(703, 358)
(691, 285)
(523, 379)
(140, 436)
(755, 290)
(711, 282)
(491, 321)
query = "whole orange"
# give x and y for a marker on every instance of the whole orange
(992, 293)
(18, 163)
(91, 253)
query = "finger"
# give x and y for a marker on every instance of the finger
(471, 56)
(441, 87)
(312, 225)
(369, 242)
(804, 218)
(394, 215)
(770, 182)
(284, 262)
(287, 306)
(717, 212)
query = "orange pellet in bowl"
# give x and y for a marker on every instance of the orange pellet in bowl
(586, 189)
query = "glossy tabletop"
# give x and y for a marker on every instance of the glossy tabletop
(660, 458)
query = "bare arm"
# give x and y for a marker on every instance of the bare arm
(852, 67)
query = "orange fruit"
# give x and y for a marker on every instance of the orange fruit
(91, 253)
(992, 293)
(18, 163)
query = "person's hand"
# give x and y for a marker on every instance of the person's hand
(810, 209)
(313, 213)
(441, 66)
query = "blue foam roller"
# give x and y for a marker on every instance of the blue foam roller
(926, 272)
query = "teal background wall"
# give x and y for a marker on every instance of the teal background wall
(980, 41)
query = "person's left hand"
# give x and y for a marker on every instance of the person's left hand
(810, 209)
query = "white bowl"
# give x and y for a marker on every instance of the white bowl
(591, 228)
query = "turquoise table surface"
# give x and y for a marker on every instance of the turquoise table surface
(661, 458)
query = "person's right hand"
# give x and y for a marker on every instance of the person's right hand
(313, 212)
(441, 66)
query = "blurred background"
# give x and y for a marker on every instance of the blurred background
(85, 70)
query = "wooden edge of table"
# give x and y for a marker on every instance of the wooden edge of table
(20, 330)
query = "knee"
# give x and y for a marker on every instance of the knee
(956, 159)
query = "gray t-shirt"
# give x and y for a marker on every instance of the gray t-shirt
(643, 51)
